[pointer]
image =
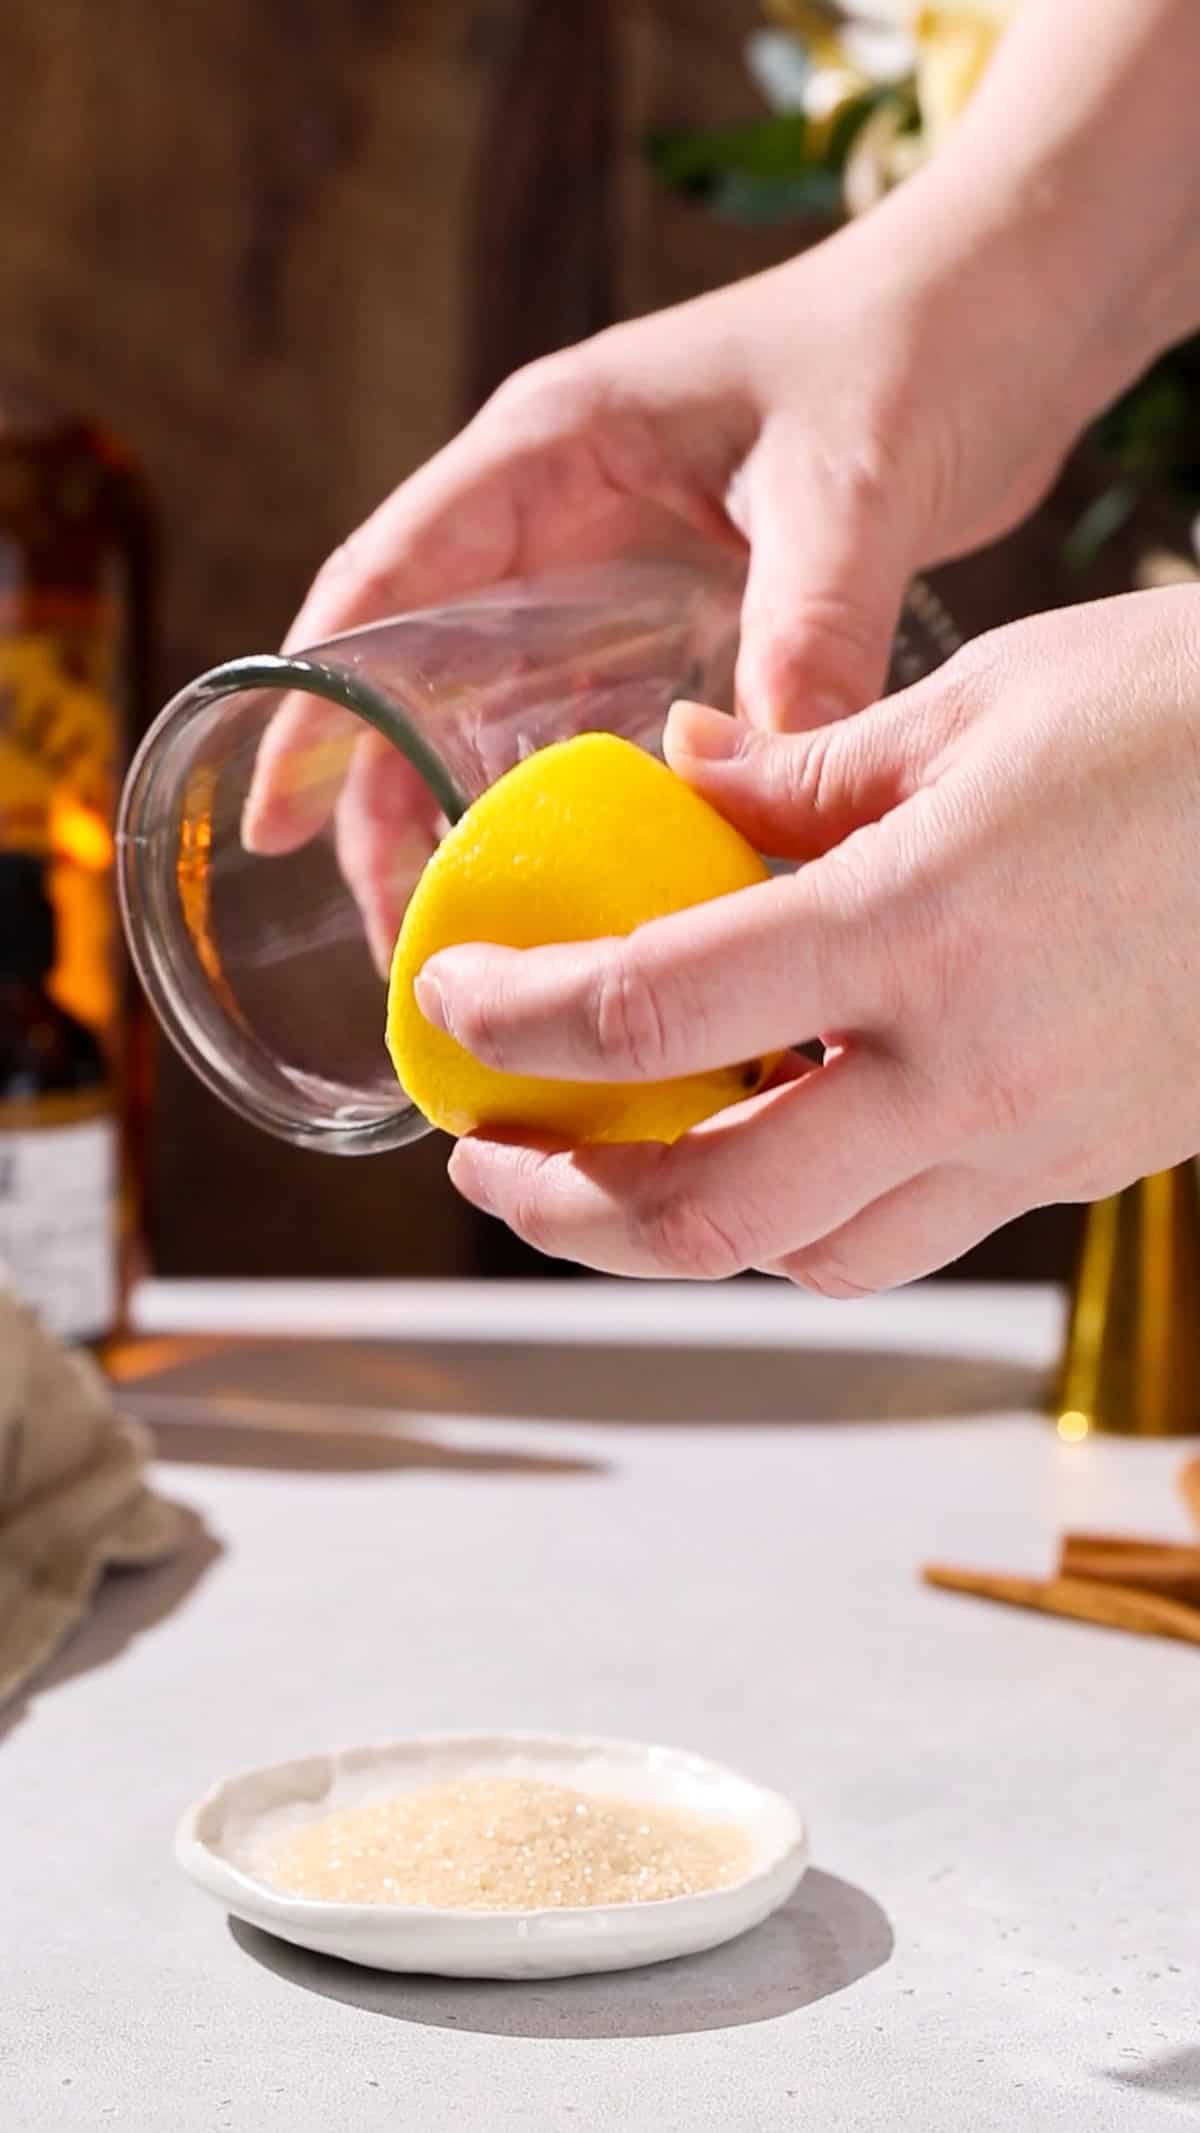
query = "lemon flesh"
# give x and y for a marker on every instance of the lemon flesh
(583, 840)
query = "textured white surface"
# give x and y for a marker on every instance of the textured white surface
(1001, 1927)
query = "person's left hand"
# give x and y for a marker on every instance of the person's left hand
(997, 936)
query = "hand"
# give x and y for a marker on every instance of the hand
(846, 419)
(897, 395)
(997, 934)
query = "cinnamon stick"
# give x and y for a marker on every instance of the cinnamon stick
(1109, 1606)
(1189, 1488)
(1144, 1565)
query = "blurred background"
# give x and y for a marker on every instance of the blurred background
(282, 250)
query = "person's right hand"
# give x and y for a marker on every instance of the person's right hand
(993, 927)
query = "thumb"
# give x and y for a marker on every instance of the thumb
(797, 795)
(828, 571)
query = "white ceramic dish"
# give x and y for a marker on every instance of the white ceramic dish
(217, 1841)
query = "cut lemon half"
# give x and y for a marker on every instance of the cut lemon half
(583, 840)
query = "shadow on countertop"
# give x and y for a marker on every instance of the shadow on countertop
(1173, 2074)
(287, 1437)
(349, 1389)
(127, 1602)
(823, 1940)
(723, 1386)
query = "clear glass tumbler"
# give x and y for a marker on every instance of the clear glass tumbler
(280, 809)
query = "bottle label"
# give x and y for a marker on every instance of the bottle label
(59, 726)
(58, 718)
(58, 1246)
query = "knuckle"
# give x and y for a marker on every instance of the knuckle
(862, 478)
(622, 1020)
(852, 886)
(998, 1096)
(865, 915)
(818, 771)
(351, 567)
(548, 391)
(970, 680)
(809, 776)
(867, 475)
(926, 951)
(531, 1201)
(900, 897)
(339, 565)
(479, 1028)
(684, 1236)
(528, 1219)
(825, 1273)
(827, 630)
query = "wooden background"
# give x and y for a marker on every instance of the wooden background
(284, 246)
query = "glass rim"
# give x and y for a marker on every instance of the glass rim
(150, 933)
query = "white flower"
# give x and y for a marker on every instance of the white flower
(820, 59)
(884, 51)
(780, 68)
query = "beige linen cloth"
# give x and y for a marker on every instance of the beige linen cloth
(73, 1494)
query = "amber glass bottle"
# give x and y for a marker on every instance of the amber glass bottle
(75, 556)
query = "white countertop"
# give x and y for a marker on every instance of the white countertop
(711, 1541)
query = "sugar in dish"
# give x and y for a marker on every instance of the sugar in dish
(505, 1844)
(463, 1854)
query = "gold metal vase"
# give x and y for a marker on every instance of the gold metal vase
(1131, 1362)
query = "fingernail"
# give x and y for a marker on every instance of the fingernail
(430, 1000)
(265, 827)
(699, 731)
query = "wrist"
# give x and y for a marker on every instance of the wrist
(1071, 183)
(1028, 283)
(971, 282)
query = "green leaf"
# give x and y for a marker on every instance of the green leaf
(1095, 527)
(1153, 431)
(766, 168)
(742, 198)
(765, 148)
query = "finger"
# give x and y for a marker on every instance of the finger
(454, 525)
(423, 543)
(520, 489)
(385, 833)
(303, 757)
(754, 1185)
(797, 795)
(912, 1231)
(828, 571)
(713, 986)
(451, 527)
